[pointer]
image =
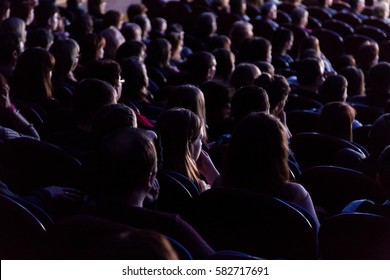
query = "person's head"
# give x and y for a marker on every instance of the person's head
(134, 10)
(136, 79)
(180, 132)
(189, 97)
(159, 26)
(23, 9)
(158, 53)
(90, 96)
(32, 75)
(256, 49)
(247, 100)
(240, 31)
(219, 42)
(129, 49)
(379, 136)
(14, 25)
(96, 7)
(282, 40)
(40, 37)
(311, 43)
(357, 6)
(4, 9)
(225, 63)
(238, 6)
(144, 22)
(355, 79)
(336, 120)
(114, 39)
(176, 38)
(367, 55)
(112, 18)
(110, 118)
(277, 89)
(310, 72)
(131, 31)
(92, 48)
(66, 53)
(244, 74)
(106, 70)
(265, 67)
(379, 78)
(206, 24)
(381, 10)
(334, 89)
(10, 48)
(217, 99)
(300, 17)
(126, 165)
(47, 16)
(343, 61)
(269, 10)
(202, 66)
(257, 157)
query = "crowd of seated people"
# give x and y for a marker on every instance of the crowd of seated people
(139, 97)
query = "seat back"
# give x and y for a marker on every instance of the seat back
(27, 164)
(312, 149)
(297, 102)
(173, 197)
(332, 188)
(302, 121)
(366, 114)
(89, 237)
(372, 32)
(377, 23)
(255, 224)
(353, 42)
(342, 28)
(21, 232)
(332, 44)
(355, 236)
(384, 51)
(349, 18)
(318, 13)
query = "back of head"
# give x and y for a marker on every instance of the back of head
(281, 37)
(225, 62)
(104, 69)
(249, 99)
(125, 158)
(31, 79)
(114, 39)
(200, 65)
(244, 74)
(158, 52)
(277, 89)
(44, 12)
(206, 24)
(367, 55)
(309, 71)
(256, 49)
(379, 136)
(66, 54)
(91, 95)
(178, 128)
(135, 10)
(14, 25)
(188, 97)
(10, 48)
(334, 89)
(217, 99)
(136, 79)
(379, 77)
(110, 118)
(355, 79)
(240, 31)
(40, 37)
(131, 31)
(336, 120)
(90, 46)
(257, 155)
(297, 15)
(111, 18)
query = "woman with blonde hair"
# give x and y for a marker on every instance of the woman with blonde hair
(180, 132)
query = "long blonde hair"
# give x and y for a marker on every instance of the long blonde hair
(178, 128)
